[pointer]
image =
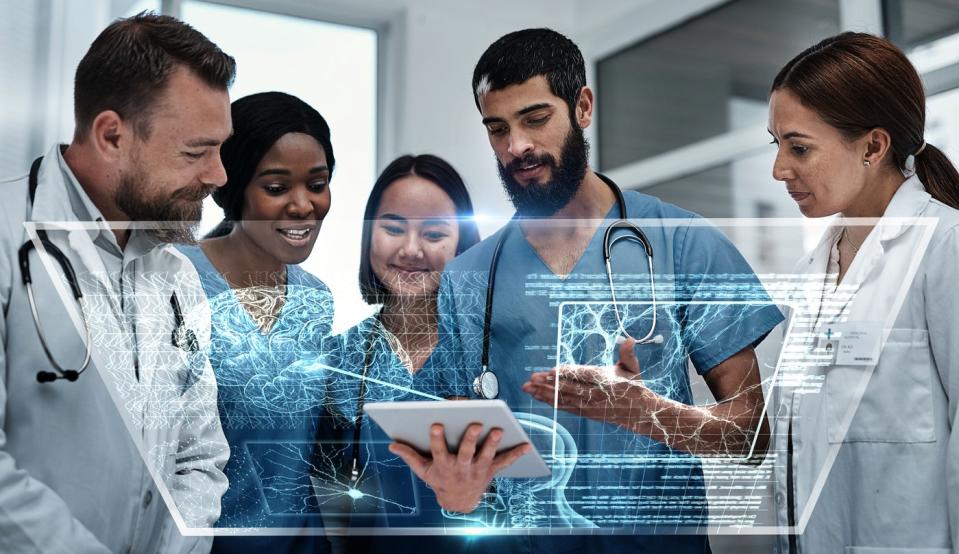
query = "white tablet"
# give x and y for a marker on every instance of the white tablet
(410, 422)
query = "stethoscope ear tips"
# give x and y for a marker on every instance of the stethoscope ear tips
(658, 339)
(49, 376)
(46, 377)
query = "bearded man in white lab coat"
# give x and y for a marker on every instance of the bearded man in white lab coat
(127, 454)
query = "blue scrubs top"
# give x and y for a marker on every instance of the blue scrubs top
(393, 497)
(269, 408)
(710, 306)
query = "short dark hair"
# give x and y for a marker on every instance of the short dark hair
(521, 55)
(259, 120)
(431, 168)
(128, 65)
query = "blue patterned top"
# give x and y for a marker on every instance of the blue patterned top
(269, 406)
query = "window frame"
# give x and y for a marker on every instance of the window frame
(641, 25)
(390, 32)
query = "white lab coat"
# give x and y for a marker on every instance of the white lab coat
(889, 473)
(74, 475)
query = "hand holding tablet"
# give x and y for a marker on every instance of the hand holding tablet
(466, 444)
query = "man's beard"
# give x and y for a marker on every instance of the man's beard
(171, 219)
(545, 199)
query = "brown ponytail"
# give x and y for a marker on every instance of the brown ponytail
(857, 82)
(939, 175)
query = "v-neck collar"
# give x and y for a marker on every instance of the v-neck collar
(387, 337)
(590, 246)
(223, 287)
(909, 201)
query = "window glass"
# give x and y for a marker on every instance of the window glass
(690, 82)
(333, 68)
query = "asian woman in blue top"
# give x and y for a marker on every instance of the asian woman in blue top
(268, 313)
(418, 217)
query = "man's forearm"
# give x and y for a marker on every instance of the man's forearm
(724, 429)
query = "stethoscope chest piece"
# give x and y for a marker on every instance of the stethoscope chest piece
(486, 385)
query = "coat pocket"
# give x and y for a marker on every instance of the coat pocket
(897, 403)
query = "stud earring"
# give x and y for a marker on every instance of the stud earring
(865, 163)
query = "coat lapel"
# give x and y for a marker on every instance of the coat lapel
(51, 210)
(902, 213)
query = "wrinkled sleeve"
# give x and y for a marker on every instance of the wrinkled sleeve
(725, 306)
(942, 309)
(33, 518)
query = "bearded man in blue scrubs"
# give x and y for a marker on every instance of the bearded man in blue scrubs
(637, 479)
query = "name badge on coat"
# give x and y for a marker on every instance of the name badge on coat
(852, 343)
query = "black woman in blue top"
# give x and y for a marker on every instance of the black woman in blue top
(268, 314)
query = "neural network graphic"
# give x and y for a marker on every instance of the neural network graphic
(296, 376)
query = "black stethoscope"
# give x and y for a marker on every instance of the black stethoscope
(358, 417)
(182, 337)
(360, 400)
(486, 385)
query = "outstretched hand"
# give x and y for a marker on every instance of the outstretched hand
(613, 394)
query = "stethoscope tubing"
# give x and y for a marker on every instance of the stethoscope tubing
(609, 241)
(360, 401)
(87, 340)
(70, 274)
(188, 343)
